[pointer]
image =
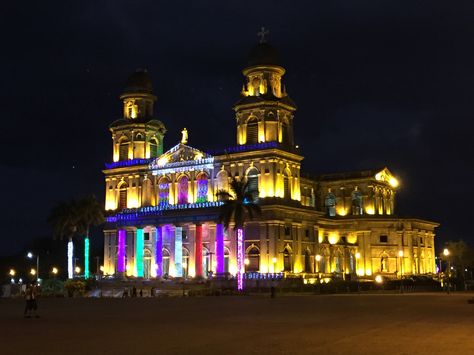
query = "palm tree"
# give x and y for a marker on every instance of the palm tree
(89, 213)
(63, 220)
(239, 204)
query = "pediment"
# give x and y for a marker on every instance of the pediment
(387, 177)
(180, 155)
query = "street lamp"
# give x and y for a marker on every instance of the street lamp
(55, 271)
(400, 256)
(33, 272)
(318, 259)
(12, 272)
(77, 269)
(30, 256)
(446, 254)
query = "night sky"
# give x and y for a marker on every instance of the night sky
(376, 83)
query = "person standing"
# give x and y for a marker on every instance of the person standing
(31, 305)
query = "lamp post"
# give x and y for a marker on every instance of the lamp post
(446, 254)
(400, 257)
(30, 256)
(274, 261)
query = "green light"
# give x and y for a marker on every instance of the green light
(86, 257)
(139, 253)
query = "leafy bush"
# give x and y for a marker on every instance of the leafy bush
(52, 287)
(75, 287)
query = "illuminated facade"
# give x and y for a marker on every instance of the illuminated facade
(162, 207)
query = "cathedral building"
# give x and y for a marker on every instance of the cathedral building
(162, 208)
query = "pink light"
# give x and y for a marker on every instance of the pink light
(240, 259)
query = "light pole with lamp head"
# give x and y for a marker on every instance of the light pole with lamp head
(30, 256)
(400, 257)
(446, 254)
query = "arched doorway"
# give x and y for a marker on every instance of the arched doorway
(146, 264)
(287, 259)
(166, 263)
(226, 260)
(185, 262)
(206, 261)
(307, 261)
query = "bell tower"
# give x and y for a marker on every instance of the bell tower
(264, 112)
(137, 135)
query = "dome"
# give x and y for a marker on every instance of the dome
(263, 54)
(139, 82)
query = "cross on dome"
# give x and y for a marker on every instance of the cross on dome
(263, 32)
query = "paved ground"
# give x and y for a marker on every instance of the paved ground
(309, 324)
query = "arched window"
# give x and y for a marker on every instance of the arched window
(222, 181)
(287, 260)
(123, 150)
(286, 185)
(146, 192)
(201, 188)
(185, 262)
(252, 131)
(252, 180)
(285, 134)
(163, 191)
(166, 262)
(122, 201)
(183, 190)
(253, 256)
(153, 148)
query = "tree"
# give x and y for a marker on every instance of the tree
(461, 257)
(239, 204)
(89, 213)
(63, 220)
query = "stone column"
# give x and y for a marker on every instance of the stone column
(159, 251)
(219, 248)
(139, 245)
(178, 251)
(121, 254)
(198, 251)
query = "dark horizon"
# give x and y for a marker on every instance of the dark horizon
(375, 84)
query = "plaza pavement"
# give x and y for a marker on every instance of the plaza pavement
(298, 324)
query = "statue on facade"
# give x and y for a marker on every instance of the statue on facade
(184, 138)
(356, 198)
(330, 203)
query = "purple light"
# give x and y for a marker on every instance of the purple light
(220, 248)
(122, 236)
(159, 252)
(183, 190)
(132, 162)
(240, 259)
